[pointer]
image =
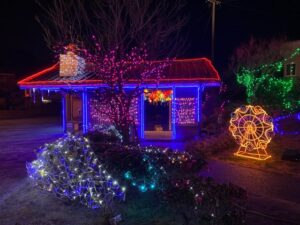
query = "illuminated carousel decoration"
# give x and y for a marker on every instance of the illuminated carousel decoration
(253, 129)
(157, 96)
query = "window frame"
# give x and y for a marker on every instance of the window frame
(288, 69)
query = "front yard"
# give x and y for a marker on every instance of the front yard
(22, 204)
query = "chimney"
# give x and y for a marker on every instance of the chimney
(71, 64)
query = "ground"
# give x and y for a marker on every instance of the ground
(272, 196)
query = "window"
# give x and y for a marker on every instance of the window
(291, 69)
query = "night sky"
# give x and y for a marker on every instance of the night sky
(23, 50)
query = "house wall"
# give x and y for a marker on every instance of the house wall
(286, 50)
(186, 115)
(187, 112)
(99, 112)
(296, 61)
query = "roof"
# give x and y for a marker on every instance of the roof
(180, 70)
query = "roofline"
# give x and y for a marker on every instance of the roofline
(197, 59)
(98, 82)
(26, 81)
(30, 77)
(150, 85)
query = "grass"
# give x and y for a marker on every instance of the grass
(276, 148)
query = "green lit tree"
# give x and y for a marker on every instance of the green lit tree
(258, 66)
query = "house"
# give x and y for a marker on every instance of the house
(292, 65)
(178, 116)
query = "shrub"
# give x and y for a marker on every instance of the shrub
(69, 169)
(212, 145)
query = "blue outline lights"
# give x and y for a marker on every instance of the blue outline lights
(173, 113)
(278, 119)
(84, 112)
(142, 115)
(86, 90)
(64, 116)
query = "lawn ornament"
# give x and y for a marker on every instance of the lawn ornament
(253, 129)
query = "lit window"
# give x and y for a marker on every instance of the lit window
(291, 69)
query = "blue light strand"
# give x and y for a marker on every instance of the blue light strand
(174, 113)
(277, 120)
(64, 116)
(84, 111)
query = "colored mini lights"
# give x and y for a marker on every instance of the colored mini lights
(158, 95)
(69, 169)
(253, 129)
(156, 165)
(149, 181)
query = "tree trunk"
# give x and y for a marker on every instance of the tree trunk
(125, 132)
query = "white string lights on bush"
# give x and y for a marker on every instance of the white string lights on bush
(69, 169)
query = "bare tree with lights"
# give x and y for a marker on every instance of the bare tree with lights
(116, 23)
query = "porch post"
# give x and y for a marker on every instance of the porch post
(64, 112)
(199, 107)
(173, 113)
(142, 116)
(84, 112)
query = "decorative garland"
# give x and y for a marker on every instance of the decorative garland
(158, 95)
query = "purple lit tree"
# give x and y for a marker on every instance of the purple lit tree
(116, 70)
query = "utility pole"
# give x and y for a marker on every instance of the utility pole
(213, 21)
